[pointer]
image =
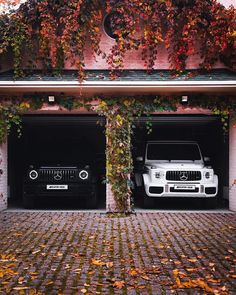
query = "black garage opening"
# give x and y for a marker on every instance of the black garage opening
(67, 140)
(207, 131)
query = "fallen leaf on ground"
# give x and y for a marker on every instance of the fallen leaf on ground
(97, 262)
(133, 272)
(20, 288)
(119, 284)
(192, 260)
(192, 269)
(36, 251)
(145, 278)
(109, 264)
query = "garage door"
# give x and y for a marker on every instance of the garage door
(206, 130)
(49, 141)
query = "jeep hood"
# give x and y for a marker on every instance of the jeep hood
(175, 165)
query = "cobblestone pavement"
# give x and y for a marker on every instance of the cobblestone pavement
(91, 253)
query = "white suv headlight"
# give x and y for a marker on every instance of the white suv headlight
(33, 174)
(159, 174)
(83, 174)
(208, 175)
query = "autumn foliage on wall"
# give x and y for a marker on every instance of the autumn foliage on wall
(53, 31)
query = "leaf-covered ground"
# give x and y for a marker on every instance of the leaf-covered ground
(91, 253)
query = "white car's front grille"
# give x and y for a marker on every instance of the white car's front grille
(183, 175)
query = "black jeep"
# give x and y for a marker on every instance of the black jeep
(59, 181)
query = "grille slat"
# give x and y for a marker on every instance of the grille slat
(47, 174)
(183, 175)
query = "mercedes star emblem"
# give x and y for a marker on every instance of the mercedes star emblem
(183, 176)
(58, 175)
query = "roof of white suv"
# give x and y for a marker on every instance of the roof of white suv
(173, 141)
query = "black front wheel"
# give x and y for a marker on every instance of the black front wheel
(148, 202)
(28, 202)
(211, 203)
(91, 201)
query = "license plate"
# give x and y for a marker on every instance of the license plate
(57, 186)
(183, 187)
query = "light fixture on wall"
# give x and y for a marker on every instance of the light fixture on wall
(51, 98)
(184, 98)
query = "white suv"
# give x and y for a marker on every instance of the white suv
(176, 169)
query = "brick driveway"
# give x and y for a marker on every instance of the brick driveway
(92, 253)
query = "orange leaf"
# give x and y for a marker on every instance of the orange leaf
(133, 273)
(119, 284)
(109, 264)
(145, 278)
(97, 262)
(192, 260)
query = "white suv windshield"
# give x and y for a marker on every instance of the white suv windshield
(173, 152)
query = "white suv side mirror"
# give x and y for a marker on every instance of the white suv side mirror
(139, 159)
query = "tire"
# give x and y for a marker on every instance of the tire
(91, 202)
(148, 202)
(211, 203)
(28, 202)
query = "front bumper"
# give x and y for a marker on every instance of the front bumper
(163, 188)
(72, 190)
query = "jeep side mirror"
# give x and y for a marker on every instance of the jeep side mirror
(207, 159)
(139, 159)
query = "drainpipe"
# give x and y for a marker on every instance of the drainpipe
(232, 164)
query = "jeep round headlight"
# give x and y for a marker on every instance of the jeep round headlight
(33, 174)
(83, 174)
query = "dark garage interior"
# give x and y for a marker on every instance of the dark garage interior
(73, 139)
(57, 140)
(206, 130)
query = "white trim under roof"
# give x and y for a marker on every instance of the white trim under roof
(228, 86)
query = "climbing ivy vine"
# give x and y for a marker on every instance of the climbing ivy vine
(53, 32)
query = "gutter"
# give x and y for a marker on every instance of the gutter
(118, 86)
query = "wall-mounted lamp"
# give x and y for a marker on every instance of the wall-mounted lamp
(184, 98)
(51, 98)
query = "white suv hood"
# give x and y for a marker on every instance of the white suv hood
(172, 165)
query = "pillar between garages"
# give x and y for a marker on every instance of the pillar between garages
(232, 164)
(110, 200)
(3, 177)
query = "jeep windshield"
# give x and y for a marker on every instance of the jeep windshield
(173, 152)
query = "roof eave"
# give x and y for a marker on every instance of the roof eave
(93, 87)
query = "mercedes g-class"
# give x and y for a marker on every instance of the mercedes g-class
(59, 181)
(175, 169)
